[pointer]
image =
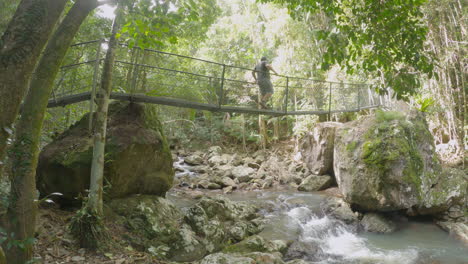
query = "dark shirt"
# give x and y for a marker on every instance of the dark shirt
(262, 71)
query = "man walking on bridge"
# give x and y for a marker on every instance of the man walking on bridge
(261, 74)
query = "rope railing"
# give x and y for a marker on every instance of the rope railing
(202, 84)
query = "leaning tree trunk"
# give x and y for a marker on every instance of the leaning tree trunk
(25, 151)
(20, 48)
(87, 225)
(100, 125)
(2, 257)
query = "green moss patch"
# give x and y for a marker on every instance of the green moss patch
(393, 139)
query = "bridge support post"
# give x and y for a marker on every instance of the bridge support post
(93, 89)
(359, 98)
(221, 91)
(287, 96)
(329, 101)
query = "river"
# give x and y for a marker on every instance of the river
(296, 216)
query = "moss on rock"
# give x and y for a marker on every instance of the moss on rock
(157, 226)
(387, 162)
(137, 156)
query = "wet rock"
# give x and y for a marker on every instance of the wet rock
(297, 178)
(221, 258)
(333, 191)
(317, 147)
(219, 160)
(315, 183)
(459, 230)
(199, 169)
(214, 150)
(298, 261)
(137, 158)
(396, 151)
(302, 250)
(227, 190)
(339, 209)
(226, 181)
(251, 258)
(194, 159)
(265, 258)
(257, 244)
(203, 184)
(214, 186)
(267, 183)
(196, 194)
(377, 223)
(242, 173)
(224, 170)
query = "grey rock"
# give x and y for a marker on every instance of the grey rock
(315, 183)
(298, 261)
(242, 173)
(226, 181)
(194, 159)
(214, 150)
(317, 147)
(339, 209)
(214, 186)
(302, 250)
(377, 223)
(221, 258)
(396, 151)
(138, 160)
(203, 184)
(459, 230)
(219, 160)
(227, 190)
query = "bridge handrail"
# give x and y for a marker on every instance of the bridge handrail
(217, 63)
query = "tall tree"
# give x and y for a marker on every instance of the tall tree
(7, 10)
(100, 125)
(87, 224)
(2, 257)
(20, 48)
(384, 38)
(25, 151)
(446, 38)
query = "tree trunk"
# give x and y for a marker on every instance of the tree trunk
(2, 257)
(20, 48)
(25, 151)
(100, 125)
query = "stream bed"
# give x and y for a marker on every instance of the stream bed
(296, 216)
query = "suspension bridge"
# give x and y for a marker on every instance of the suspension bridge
(163, 78)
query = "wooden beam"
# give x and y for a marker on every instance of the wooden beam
(69, 99)
(176, 102)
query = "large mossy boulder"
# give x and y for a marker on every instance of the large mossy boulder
(160, 228)
(317, 148)
(387, 162)
(137, 158)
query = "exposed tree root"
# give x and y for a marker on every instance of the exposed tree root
(88, 228)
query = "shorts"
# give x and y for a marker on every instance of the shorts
(265, 86)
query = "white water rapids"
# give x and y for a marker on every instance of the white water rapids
(337, 243)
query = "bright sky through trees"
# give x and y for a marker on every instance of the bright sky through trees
(106, 11)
